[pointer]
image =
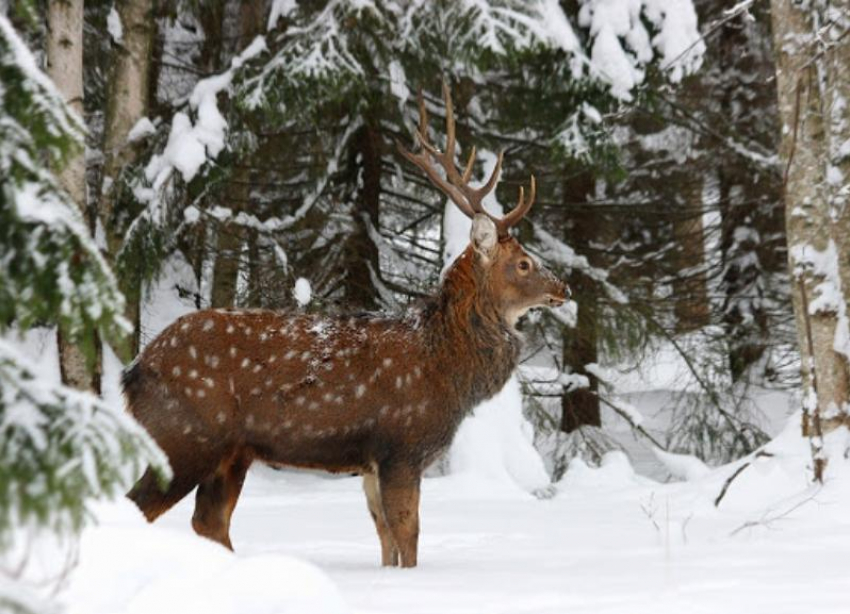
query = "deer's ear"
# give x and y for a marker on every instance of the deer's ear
(484, 236)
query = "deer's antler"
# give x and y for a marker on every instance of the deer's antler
(455, 184)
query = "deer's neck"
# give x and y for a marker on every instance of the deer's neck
(477, 347)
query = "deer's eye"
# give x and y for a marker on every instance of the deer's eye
(524, 265)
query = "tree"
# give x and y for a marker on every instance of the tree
(131, 27)
(812, 67)
(65, 67)
(59, 447)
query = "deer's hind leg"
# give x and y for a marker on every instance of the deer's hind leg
(389, 551)
(189, 467)
(216, 499)
(399, 488)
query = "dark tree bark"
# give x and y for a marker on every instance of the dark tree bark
(360, 252)
(580, 407)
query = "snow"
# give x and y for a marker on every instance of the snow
(141, 129)
(682, 466)
(302, 291)
(162, 570)
(621, 44)
(496, 444)
(191, 143)
(280, 8)
(114, 26)
(608, 542)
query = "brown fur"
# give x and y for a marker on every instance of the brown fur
(375, 395)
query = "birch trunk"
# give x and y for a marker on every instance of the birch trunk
(126, 104)
(65, 67)
(814, 241)
(837, 79)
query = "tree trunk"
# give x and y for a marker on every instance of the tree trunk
(837, 61)
(65, 67)
(361, 253)
(580, 407)
(127, 102)
(690, 289)
(813, 236)
(752, 224)
(232, 237)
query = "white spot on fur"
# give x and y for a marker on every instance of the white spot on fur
(187, 429)
(269, 382)
(388, 362)
(230, 329)
(263, 337)
(201, 393)
(173, 342)
(184, 327)
(193, 374)
(272, 358)
(188, 391)
(417, 371)
(257, 368)
(221, 417)
(300, 400)
(245, 363)
(208, 325)
(256, 392)
(211, 361)
(248, 332)
(232, 351)
(313, 405)
(193, 352)
(208, 382)
(290, 355)
(176, 372)
(306, 356)
(398, 382)
(360, 391)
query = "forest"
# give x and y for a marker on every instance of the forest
(642, 205)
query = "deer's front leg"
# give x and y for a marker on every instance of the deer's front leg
(399, 491)
(389, 552)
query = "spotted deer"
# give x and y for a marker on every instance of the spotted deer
(375, 395)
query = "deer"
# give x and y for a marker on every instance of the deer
(370, 394)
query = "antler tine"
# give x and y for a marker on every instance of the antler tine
(522, 207)
(422, 131)
(467, 171)
(449, 154)
(478, 194)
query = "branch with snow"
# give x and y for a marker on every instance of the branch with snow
(61, 448)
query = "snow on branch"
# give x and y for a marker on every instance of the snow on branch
(61, 448)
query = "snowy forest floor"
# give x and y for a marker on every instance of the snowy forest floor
(608, 541)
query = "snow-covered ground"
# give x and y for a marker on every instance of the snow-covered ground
(607, 541)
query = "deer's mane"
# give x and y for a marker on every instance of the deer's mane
(465, 299)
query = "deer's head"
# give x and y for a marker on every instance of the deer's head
(515, 280)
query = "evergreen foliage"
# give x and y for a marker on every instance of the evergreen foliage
(59, 448)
